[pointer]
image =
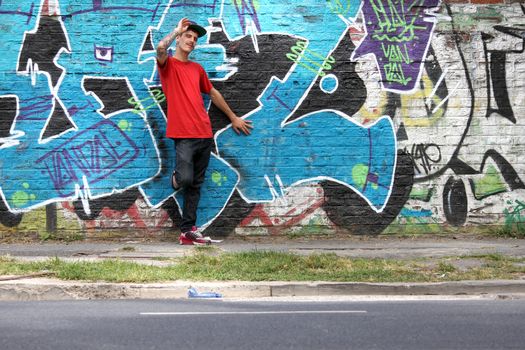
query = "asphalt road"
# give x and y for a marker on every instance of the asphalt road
(221, 324)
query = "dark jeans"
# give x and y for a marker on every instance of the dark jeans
(192, 158)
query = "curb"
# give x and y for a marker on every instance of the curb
(402, 289)
(51, 289)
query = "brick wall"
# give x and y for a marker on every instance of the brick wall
(369, 117)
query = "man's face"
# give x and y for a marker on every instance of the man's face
(187, 41)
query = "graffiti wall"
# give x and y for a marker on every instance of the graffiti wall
(369, 116)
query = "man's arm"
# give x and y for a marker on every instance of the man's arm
(164, 44)
(238, 124)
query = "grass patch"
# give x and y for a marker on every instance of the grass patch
(63, 236)
(210, 265)
(514, 230)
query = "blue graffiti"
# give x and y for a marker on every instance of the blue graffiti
(95, 157)
(317, 146)
(107, 153)
(416, 213)
(320, 145)
(113, 51)
(32, 92)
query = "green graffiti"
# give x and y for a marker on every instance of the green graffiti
(396, 57)
(139, 105)
(340, 7)
(309, 59)
(20, 198)
(218, 178)
(393, 25)
(395, 54)
(240, 4)
(489, 185)
(124, 125)
(515, 217)
(422, 194)
(360, 174)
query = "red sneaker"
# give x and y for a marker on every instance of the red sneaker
(193, 238)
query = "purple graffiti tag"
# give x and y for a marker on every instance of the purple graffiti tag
(30, 13)
(398, 34)
(97, 4)
(280, 101)
(246, 7)
(35, 108)
(76, 109)
(95, 153)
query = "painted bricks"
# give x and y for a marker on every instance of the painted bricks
(370, 117)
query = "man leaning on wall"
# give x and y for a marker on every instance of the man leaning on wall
(184, 82)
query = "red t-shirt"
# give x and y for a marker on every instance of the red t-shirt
(183, 84)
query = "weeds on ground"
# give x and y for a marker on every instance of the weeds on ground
(514, 220)
(210, 265)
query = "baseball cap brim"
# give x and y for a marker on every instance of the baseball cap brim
(198, 29)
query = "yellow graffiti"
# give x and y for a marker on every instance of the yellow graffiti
(373, 110)
(240, 3)
(369, 113)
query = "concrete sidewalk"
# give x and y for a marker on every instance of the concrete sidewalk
(38, 287)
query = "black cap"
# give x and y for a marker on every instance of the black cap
(198, 29)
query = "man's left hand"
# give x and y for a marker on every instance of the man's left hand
(243, 125)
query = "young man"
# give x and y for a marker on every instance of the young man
(183, 82)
